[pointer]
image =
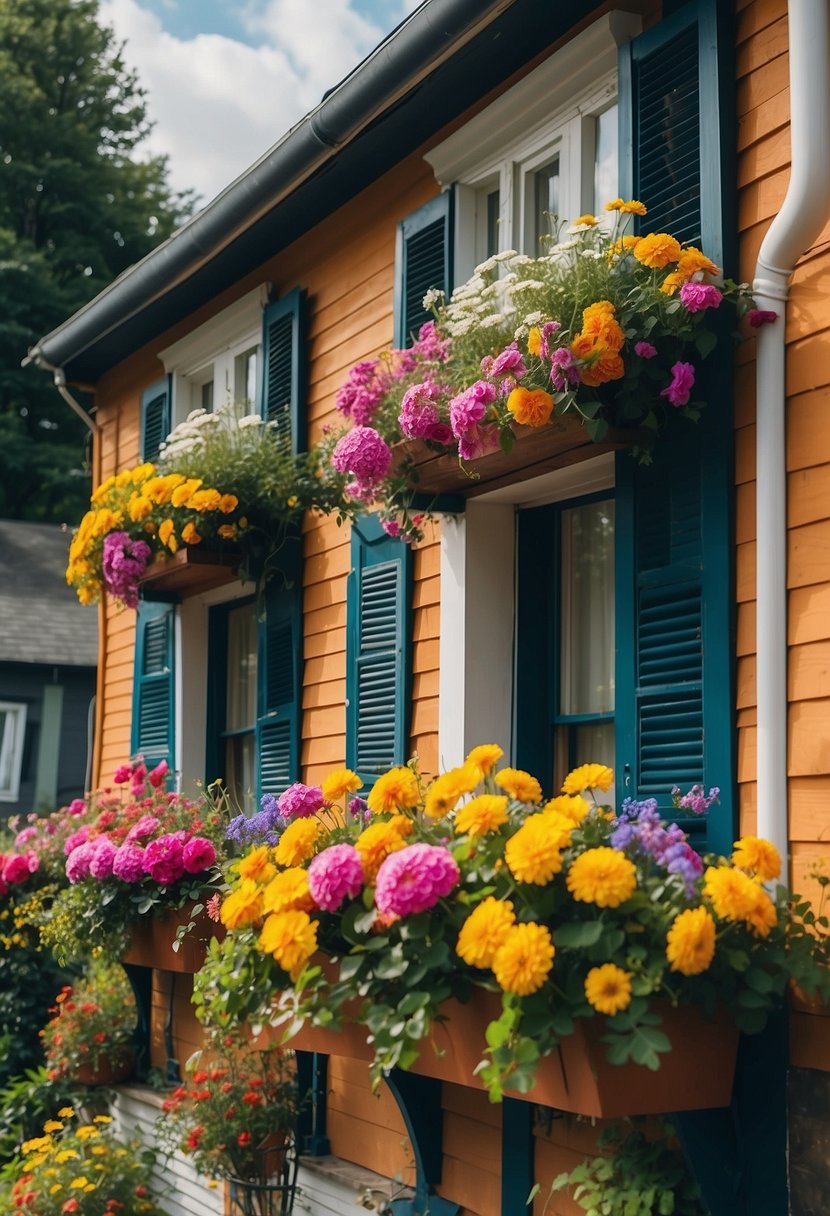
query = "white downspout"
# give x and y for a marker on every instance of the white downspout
(792, 232)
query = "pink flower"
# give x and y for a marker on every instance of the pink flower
(414, 878)
(163, 859)
(19, 866)
(391, 527)
(145, 826)
(359, 397)
(76, 807)
(213, 907)
(430, 345)
(419, 411)
(334, 875)
(508, 367)
(440, 433)
(546, 348)
(157, 776)
(122, 774)
(363, 453)
(299, 801)
(128, 863)
(564, 372)
(77, 863)
(697, 296)
(79, 837)
(103, 855)
(123, 562)
(198, 854)
(468, 408)
(478, 441)
(645, 350)
(761, 316)
(683, 379)
(24, 837)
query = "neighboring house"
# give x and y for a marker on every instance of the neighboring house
(450, 141)
(48, 656)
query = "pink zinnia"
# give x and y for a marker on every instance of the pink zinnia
(163, 859)
(76, 807)
(334, 875)
(414, 878)
(122, 774)
(682, 383)
(100, 863)
(157, 776)
(146, 825)
(77, 863)
(698, 296)
(198, 855)
(128, 863)
(299, 801)
(645, 350)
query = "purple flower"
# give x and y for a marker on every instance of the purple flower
(695, 801)
(564, 372)
(645, 350)
(359, 809)
(419, 410)
(698, 296)
(334, 875)
(198, 855)
(77, 863)
(683, 379)
(546, 349)
(414, 878)
(100, 863)
(128, 863)
(359, 397)
(761, 316)
(468, 408)
(163, 859)
(364, 455)
(299, 801)
(123, 562)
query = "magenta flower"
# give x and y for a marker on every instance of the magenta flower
(100, 863)
(77, 863)
(645, 350)
(358, 398)
(334, 875)
(77, 838)
(478, 441)
(508, 367)
(698, 296)
(761, 316)
(564, 371)
(547, 348)
(128, 863)
(299, 801)
(430, 346)
(19, 866)
(76, 807)
(363, 453)
(163, 859)
(440, 433)
(414, 878)
(391, 527)
(468, 408)
(145, 826)
(419, 411)
(157, 776)
(122, 774)
(198, 855)
(123, 562)
(682, 383)
(24, 837)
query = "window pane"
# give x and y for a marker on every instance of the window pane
(606, 159)
(207, 396)
(242, 668)
(587, 599)
(239, 770)
(492, 223)
(546, 201)
(245, 376)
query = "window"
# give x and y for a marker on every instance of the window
(12, 735)
(239, 730)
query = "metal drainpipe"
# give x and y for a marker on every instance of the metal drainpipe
(792, 232)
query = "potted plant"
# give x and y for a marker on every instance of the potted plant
(236, 1119)
(561, 936)
(89, 1037)
(603, 327)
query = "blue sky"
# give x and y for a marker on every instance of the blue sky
(226, 78)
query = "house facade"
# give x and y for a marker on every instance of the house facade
(569, 604)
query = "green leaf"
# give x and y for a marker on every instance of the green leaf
(578, 935)
(506, 440)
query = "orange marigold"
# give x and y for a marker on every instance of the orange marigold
(530, 407)
(396, 789)
(519, 785)
(657, 250)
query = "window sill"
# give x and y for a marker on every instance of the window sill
(189, 572)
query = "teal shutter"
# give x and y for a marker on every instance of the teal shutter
(280, 671)
(284, 368)
(674, 582)
(153, 684)
(378, 646)
(423, 259)
(155, 418)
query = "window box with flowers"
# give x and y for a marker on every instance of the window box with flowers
(557, 934)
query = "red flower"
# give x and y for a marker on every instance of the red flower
(100, 1037)
(199, 1078)
(226, 1087)
(251, 1098)
(243, 1139)
(141, 1192)
(71, 1205)
(194, 1137)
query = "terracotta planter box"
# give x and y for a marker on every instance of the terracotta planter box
(152, 939)
(696, 1074)
(189, 572)
(108, 1072)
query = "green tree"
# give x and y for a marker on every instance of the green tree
(78, 205)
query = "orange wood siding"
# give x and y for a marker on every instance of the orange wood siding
(363, 1127)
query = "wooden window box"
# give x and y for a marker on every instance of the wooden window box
(189, 572)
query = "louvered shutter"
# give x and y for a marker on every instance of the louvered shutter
(674, 583)
(278, 727)
(378, 645)
(284, 364)
(423, 259)
(153, 685)
(155, 418)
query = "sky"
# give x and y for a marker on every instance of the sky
(225, 79)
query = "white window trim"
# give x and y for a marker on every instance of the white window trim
(12, 741)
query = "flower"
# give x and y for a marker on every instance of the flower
(334, 875)
(419, 410)
(484, 814)
(608, 989)
(568, 806)
(291, 937)
(288, 889)
(469, 407)
(588, 777)
(446, 790)
(632, 207)
(759, 856)
(690, 942)
(298, 842)
(484, 931)
(337, 784)
(363, 454)
(198, 855)
(602, 876)
(645, 350)
(530, 407)
(413, 879)
(523, 961)
(519, 785)
(377, 841)
(484, 757)
(682, 382)
(657, 250)
(697, 296)
(299, 801)
(534, 853)
(396, 789)
(737, 897)
(761, 316)
(164, 859)
(243, 906)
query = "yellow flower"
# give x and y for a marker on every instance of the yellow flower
(690, 942)
(586, 221)
(287, 891)
(189, 534)
(292, 500)
(226, 531)
(519, 785)
(291, 937)
(603, 877)
(66, 1112)
(572, 807)
(632, 207)
(484, 931)
(139, 507)
(588, 777)
(534, 853)
(445, 791)
(530, 407)
(484, 757)
(523, 962)
(737, 897)
(160, 489)
(657, 250)
(167, 535)
(257, 864)
(397, 788)
(79, 1183)
(377, 841)
(341, 781)
(227, 503)
(694, 261)
(484, 814)
(758, 855)
(53, 1125)
(243, 906)
(182, 494)
(672, 281)
(608, 988)
(624, 245)
(65, 1154)
(298, 842)
(534, 340)
(205, 500)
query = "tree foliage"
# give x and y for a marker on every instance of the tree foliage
(79, 203)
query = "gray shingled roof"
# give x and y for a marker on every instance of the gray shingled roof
(41, 620)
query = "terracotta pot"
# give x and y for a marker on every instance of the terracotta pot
(152, 939)
(117, 1067)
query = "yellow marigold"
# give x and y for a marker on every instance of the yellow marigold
(585, 221)
(572, 807)
(484, 931)
(600, 310)
(298, 842)
(376, 842)
(138, 507)
(291, 937)
(205, 500)
(167, 535)
(530, 407)
(182, 495)
(534, 340)
(588, 777)
(608, 988)
(519, 785)
(694, 261)
(226, 531)
(189, 534)
(534, 854)
(632, 207)
(342, 781)
(672, 282)
(288, 890)
(603, 877)
(228, 503)
(523, 962)
(483, 814)
(445, 791)
(621, 246)
(243, 906)
(737, 897)
(757, 855)
(160, 489)
(257, 864)
(484, 757)
(657, 250)
(690, 942)
(397, 788)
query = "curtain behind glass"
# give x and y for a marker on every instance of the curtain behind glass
(587, 605)
(242, 668)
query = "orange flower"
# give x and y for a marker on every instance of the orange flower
(530, 407)
(657, 250)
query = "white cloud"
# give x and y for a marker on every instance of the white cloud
(219, 104)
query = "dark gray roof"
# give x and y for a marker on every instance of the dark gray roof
(41, 620)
